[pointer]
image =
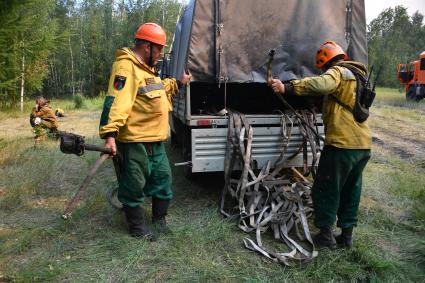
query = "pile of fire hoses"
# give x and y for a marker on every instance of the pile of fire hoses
(269, 200)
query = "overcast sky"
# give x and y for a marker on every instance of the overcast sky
(375, 7)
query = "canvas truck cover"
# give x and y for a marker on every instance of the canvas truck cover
(228, 40)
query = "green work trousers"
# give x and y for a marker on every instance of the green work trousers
(338, 185)
(144, 172)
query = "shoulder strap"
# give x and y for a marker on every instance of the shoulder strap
(343, 105)
(359, 111)
(355, 71)
(359, 78)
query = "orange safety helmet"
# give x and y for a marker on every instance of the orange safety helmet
(151, 32)
(328, 51)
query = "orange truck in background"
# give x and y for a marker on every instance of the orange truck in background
(412, 76)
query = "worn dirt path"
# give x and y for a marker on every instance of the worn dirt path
(399, 133)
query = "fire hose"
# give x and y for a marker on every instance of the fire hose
(280, 97)
(271, 199)
(75, 144)
(305, 123)
(267, 200)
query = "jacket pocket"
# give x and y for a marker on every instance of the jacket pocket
(151, 101)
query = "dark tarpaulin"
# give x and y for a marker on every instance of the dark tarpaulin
(219, 40)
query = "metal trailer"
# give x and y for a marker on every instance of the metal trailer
(224, 44)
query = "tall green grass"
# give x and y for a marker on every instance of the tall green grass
(395, 97)
(66, 104)
(78, 101)
(94, 245)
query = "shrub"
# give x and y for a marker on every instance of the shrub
(78, 101)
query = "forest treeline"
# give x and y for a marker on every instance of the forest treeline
(60, 48)
(394, 37)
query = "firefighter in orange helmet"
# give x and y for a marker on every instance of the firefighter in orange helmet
(134, 122)
(337, 187)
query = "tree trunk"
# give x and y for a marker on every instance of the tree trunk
(163, 13)
(72, 66)
(22, 83)
(82, 75)
(56, 77)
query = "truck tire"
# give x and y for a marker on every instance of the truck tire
(421, 94)
(411, 94)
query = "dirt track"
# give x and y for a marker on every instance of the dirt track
(402, 136)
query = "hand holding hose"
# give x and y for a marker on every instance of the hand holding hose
(110, 143)
(277, 86)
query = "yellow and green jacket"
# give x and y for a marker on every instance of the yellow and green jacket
(137, 103)
(341, 129)
(46, 114)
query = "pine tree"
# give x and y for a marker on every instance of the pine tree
(27, 38)
(393, 38)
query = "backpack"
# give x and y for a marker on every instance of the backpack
(365, 95)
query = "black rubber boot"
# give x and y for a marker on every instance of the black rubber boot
(159, 211)
(137, 225)
(345, 239)
(325, 238)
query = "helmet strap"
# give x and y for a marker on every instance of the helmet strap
(150, 61)
(333, 61)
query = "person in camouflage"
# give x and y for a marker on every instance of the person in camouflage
(43, 120)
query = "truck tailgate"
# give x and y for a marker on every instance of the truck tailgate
(209, 147)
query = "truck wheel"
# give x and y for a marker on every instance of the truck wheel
(410, 94)
(421, 93)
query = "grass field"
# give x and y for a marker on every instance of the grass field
(36, 245)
